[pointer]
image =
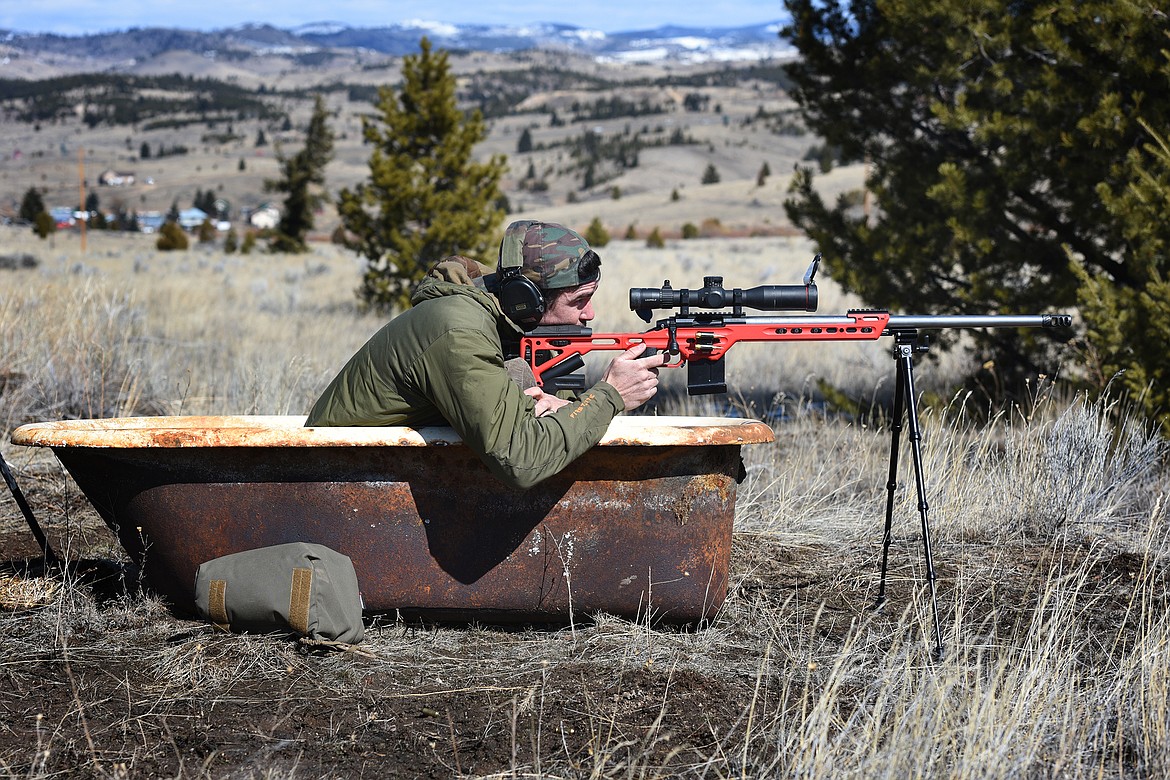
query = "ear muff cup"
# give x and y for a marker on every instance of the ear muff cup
(520, 299)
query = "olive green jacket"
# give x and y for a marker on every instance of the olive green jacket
(442, 363)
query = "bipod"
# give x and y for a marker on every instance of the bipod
(51, 558)
(906, 343)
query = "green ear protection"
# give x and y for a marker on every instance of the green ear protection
(519, 297)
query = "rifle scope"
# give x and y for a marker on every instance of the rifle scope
(767, 297)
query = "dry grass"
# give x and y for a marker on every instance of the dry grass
(1052, 536)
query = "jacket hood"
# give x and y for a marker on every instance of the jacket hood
(434, 287)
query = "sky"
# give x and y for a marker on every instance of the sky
(78, 17)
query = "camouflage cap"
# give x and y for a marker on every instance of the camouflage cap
(549, 254)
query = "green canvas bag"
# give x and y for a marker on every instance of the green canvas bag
(301, 587)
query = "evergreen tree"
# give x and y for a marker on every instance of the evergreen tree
(44, 225)
(170, 237)
(524, 145)
(31, 205)
(1007, 142)
(762, 176)
(596, 234)
(426, 197)
(231, 242)
(206, 232)
(654, 240)
(144, 151)
(93, 214)
(204, 201)
(298, 174)
(1128, 325)
(711, 174)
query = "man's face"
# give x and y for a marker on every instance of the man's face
(573, 306)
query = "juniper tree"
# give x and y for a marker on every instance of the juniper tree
(1128, 325)
(171, 237)
(596, 234)
(31, 205)
(231, 242)
(426, 196)
(44, 225)
(1007, 142)
(299, 174)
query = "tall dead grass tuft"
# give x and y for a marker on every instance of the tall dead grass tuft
(1029, 701)
(1073, 467)
(77, 351)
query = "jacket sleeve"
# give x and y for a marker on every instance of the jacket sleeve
(463, 374)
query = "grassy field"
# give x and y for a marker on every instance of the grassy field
(1051, 542)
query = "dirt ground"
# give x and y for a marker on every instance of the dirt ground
(106, 682)
(97, 706)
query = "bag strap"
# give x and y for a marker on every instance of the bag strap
(298, 602)
(217, 605)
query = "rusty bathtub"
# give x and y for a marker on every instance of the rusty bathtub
(639, 526)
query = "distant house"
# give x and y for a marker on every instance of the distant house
(267, 217)
(191, 219)
(62, 216)
(113, 178)
(151, 221)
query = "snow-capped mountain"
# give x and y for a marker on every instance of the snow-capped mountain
(664, 43)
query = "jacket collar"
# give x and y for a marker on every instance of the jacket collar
(431, 287)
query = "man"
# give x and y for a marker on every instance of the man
(442, 361)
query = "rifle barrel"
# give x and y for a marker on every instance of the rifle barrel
(942, 321)
(896, 321)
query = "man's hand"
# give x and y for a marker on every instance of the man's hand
(545, 403)
(635, 378)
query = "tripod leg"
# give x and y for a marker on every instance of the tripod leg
(50, 557)
(906, 373)
(892, 482)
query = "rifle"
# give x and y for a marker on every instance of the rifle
(701, 339)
